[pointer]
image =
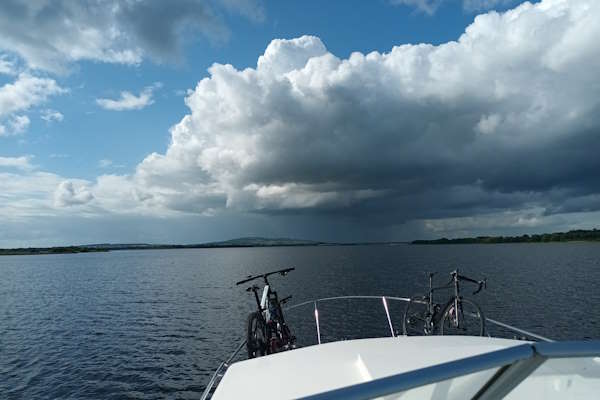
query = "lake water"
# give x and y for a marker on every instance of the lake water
(155, 323)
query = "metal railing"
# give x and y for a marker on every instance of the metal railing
(384, 299)
(223, 366)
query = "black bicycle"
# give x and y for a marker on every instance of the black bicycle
(458, 316)
(267, 331)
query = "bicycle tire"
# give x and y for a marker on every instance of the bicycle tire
(286, 335)
(413, 319)
(256, 335)
(475, 326)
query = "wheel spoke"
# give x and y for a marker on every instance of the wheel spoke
(416, 319)
(466, 319)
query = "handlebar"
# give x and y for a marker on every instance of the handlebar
(482, 285)
(282, 272)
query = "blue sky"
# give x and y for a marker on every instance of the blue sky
(104, 127)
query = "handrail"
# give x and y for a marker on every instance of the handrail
(518, 330)
(406, 299)
(569, 349)
(219, 368)
(384, 299)
(344, 297)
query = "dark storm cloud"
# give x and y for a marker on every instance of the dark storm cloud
(158, 25)
(504, 119)
(51, 35)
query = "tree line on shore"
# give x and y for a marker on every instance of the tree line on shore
(592, 235)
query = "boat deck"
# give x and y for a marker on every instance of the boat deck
(320, 368)
(414, 367)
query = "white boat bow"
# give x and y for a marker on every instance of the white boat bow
(417, 367)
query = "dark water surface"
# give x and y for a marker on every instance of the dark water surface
(154, 324)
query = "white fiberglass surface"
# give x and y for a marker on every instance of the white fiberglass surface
(318, 369)
(463, 387)
(562, 378)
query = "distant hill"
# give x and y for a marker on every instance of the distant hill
(86, 248)
(239, 242)
(118, 246)
(261, 242)
(570, 236)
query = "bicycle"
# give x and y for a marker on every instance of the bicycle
(267, 331)
(458, 316)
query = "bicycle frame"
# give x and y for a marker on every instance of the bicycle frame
(264, 302)
(434, 316)
(268, 304)
(268, 295)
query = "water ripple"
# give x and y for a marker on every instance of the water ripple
(154, 324)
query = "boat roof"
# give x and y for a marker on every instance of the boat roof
(322, 368)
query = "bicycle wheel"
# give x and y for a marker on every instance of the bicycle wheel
(416, 316)
(256, 340)
(286, 336)
(468, 319)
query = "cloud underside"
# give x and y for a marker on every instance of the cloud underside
(500, 127)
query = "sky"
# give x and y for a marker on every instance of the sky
(203, 120)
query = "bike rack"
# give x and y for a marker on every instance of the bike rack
(384, 299)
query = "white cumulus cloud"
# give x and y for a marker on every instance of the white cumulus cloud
(306, 129)
(488, 124)
(50, 115)
(69, 193)
(129, 101)
(26, 91)
(7, 65)
(426, 6)
(19, 124)
(105, 163)
(430, 7)
(22, 162)
(15, 125)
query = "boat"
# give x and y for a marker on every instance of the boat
(400, 366)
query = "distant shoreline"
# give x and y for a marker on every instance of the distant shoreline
(235, 243)
(557, 237)
(31, 251)
(579, 235)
